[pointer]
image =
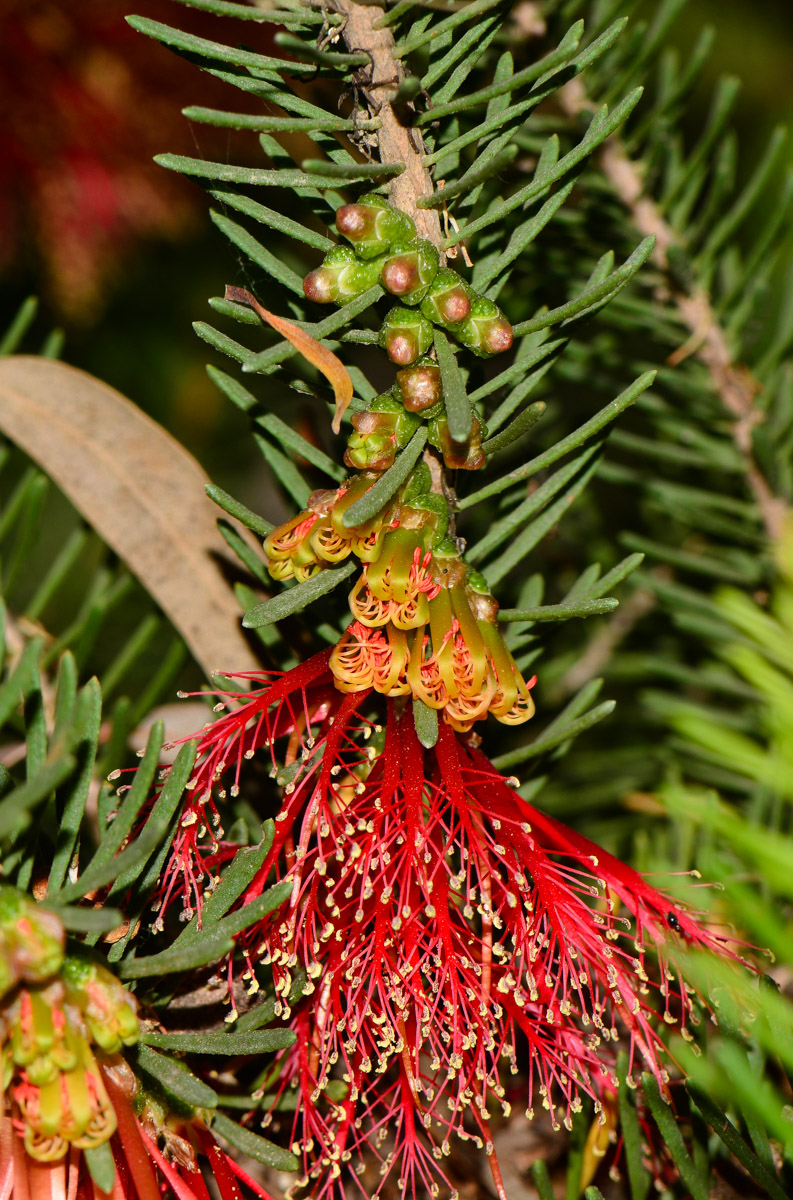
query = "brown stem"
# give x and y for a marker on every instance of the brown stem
(732, 382)
(396, 143)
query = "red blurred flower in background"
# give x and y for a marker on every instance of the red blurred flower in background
(86, 103)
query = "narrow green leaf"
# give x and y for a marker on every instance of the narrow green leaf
(87, 920)
(191, 955)
(292, 440)
(283, 177)
(532, 351)
(295, 599)
(573, 440)
(243, 12)
(516, 520)
(331, 59)
(286, 472)
(477, 174)
(670, 1131)
(602, 126)
(101, 1166)
(23, 679)
(272, 220)
(252, 561)
(521, 239)
(721, 1124)
(176, 1077)
(638, 1178)
(24, 318)
(253, 1145)
(83, 745)
(546, 741)
(425, 720)
(16, 805)
(236, 509)
(557, 58)
(516, 429)
(244, 867)
(255, 910)
(444, 27)
(542, 1180)
(258, 254)
(190, 44)
(560, 612)
(372, 501)
(265, 1013)
(105, 866)
(458, 407)
(266, 124)
(157, 824)
(259, 1042)
(592, 297)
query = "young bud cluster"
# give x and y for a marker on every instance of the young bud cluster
(425, 626)
(379, 432)
(316, 537)
(55, 1034)
(385, 249)
(31, 940)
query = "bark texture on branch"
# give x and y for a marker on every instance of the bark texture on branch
(396, 143)
(707, 342)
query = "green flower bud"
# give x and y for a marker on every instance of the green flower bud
(448, 300)
(31, 940)
(476, 581)
(420, 386)
(405, 335)
(487, 331)
(409, 270)
(383, 429)
(108, 1009)
(373, 225)
(341, 277)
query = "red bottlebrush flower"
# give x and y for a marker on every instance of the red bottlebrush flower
(450, 933)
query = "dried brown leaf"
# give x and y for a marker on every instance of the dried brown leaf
(318, 355)
(139, 489)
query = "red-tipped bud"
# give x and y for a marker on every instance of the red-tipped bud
(341, 277)
(405, 336)
(320, 286)
(400, 274)
(448, 300)
(420, 386)
(354, 221)
(373, 226)
(487, 331)
(410, 270)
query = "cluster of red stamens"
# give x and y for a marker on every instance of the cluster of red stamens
(452, 935)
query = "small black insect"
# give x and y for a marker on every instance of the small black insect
(673, 922)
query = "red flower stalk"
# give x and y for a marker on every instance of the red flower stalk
(448, 930)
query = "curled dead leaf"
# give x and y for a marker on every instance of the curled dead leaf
(318, 355)
(138, 488)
